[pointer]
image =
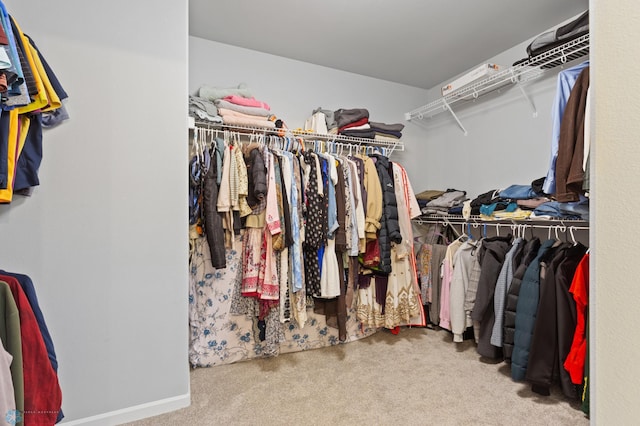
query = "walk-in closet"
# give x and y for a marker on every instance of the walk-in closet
(166, 309)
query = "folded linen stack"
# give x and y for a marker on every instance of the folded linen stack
(234, 106)
(384, 130)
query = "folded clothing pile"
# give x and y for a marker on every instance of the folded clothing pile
(233, 106)
(352, 122)
(450, 199)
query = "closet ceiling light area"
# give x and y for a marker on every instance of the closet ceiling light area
(420, 43)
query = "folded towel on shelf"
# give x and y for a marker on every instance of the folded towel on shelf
(212, 93)
(221, 103)
(249, 102)
(241, 121)
(396, 127)
(346, 116)
(228, 112)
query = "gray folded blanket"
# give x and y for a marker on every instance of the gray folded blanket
(212, 93)
(346, 116)
(203, 104)
(397, 127)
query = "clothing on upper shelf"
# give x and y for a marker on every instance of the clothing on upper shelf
(566, 82)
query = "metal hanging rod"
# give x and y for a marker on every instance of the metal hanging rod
(517, 74)
(388, 144)
(560, 224)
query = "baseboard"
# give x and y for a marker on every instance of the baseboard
(134, 413)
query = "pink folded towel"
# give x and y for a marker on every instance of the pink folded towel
(250, 102)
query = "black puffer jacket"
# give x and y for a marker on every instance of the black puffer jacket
(257, 176)
(389, 225)
(529, 253)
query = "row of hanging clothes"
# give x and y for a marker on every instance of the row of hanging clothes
(318, 226)
(30, 393)
(523, 300)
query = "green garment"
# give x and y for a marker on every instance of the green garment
(10, 336)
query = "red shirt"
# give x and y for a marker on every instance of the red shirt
(574, 363)
(42, 393)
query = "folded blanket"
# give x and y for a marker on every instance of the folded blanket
(229, 112)
(355, 124)
(221, 103)
(212, 93)
(346, 116)
(449, 199)
(203, 104)
(239, 121)
(362, 127)
(202, 115)
(384, 137)
(387, 134)
(397, 127)
(250, 102)
(367, 133)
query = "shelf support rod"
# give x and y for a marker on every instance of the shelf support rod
(528, 99)
(446, 104)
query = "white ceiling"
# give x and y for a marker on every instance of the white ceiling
(415, 42)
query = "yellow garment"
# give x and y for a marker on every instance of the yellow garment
(52, 96)
(39, 99)
(374, 198)
(15, 146)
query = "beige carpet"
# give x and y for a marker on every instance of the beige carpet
(418, 377)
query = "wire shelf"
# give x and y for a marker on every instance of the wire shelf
(388, 144)
(521, 73)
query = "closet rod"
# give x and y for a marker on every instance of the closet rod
(562, 224)
(389, 144)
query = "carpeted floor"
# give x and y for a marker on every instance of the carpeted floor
(418, 377)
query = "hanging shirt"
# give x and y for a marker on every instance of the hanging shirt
(566, 81)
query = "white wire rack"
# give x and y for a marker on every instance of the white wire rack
(328, 142)
(518, 74)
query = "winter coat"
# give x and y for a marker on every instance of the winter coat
(389, 225)
(491, 257)
(257, 175)
(555, 323)
(212, 219)
(526, 314)
(530, 251)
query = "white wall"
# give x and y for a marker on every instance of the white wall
(294, 89)
(505, 144)
(104, 237)
(615, 293)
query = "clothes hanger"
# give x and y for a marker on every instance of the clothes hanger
(573, 237)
